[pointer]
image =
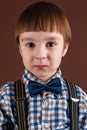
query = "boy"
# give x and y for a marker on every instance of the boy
(43, 35)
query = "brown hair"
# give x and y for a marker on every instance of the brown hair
(43, 16)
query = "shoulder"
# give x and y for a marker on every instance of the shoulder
(81, 94)
(7, 89)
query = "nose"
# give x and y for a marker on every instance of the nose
(41, 53)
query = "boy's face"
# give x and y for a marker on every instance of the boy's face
(42, 52)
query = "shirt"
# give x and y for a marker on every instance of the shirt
(48, 111)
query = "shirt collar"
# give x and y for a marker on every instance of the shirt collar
(29, 76)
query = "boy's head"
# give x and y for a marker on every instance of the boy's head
(43, 16)
(42, 30)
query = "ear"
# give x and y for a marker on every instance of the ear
(65, 49)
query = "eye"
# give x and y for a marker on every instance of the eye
(51, 44)
(30, 44)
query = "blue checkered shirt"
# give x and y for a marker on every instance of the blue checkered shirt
(47, 112)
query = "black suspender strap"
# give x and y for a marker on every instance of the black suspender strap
(73, 105)
(20, 105)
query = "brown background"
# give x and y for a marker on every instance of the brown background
(73, 65)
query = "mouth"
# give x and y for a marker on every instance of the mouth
(40, 66)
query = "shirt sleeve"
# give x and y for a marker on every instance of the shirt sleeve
(6, 114)
(82, 109)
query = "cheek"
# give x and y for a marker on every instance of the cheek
(56, 59)
(25, 55)
(25, 59)
(57, 55)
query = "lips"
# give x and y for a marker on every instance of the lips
(40, 66)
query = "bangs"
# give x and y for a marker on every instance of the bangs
(41, 17)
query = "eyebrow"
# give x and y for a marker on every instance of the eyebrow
(52, 38)
(27, 39)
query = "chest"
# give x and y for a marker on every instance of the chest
(48, 112)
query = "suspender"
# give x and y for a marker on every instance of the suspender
(73, 105)
(20, 105)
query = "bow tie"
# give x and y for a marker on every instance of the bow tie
(36, 88)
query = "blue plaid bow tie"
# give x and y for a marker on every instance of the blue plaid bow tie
(36, 88)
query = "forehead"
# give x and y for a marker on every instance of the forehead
(40, 35)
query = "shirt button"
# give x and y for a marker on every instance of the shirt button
(46, 126)
(46, 104)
